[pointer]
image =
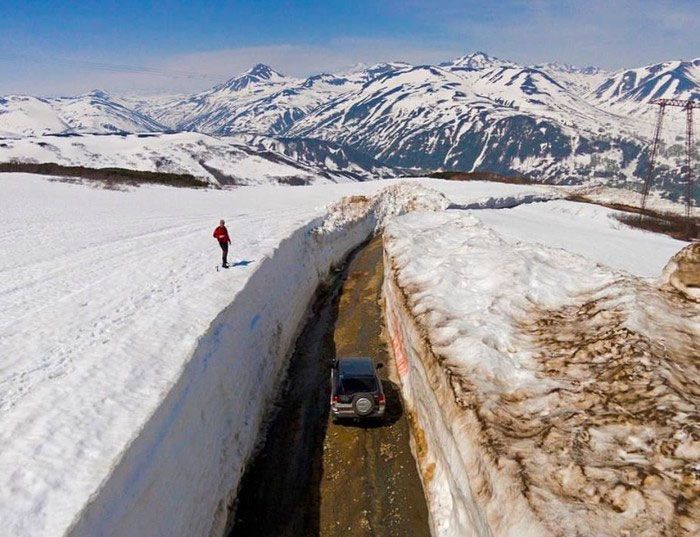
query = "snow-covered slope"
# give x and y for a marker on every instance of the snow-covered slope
(580, 80)
(21, 115)
(630, 91)
(261, 101)
(550, 122)
(211, 111)
(503, 119)
(225, 161)
(334, 158)
(476, 61)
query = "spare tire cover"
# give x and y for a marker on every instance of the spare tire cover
(363, 404)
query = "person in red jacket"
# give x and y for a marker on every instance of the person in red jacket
(221, 235)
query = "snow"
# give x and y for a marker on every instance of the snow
(136, 376)
(605, 194)
(586, 229)
(538, 379)
(183, 152)
(23, 115)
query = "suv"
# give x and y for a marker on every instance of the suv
(356, 391)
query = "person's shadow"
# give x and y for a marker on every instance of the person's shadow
(242, 263)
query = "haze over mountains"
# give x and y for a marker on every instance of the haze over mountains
(550, 122)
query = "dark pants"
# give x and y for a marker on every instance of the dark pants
(224, 252)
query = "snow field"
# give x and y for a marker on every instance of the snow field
(135, 377)
(586, 229)
(542, 387)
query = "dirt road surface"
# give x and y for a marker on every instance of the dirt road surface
(315, 478)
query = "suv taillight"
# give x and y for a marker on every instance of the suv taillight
(382, 399)
(335, 399)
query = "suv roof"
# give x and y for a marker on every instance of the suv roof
(356, 367)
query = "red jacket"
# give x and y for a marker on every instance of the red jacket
(221, 234)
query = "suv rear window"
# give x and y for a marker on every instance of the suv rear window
(353, 385)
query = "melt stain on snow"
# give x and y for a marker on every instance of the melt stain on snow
(562, 388)
(624, 410)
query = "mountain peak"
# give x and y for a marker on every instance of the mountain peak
(259, 73)
(262, 71)
(475, 60)
(98, 94)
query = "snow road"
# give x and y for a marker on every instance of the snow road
(116, 333)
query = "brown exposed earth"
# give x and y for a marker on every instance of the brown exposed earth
(315, 478)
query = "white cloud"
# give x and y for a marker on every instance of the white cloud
(614, 35)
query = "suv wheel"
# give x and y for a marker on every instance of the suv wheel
(363, 404)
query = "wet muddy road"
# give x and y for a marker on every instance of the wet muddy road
(315, 478)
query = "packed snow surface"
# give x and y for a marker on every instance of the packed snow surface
(543, 381)
(586, 229)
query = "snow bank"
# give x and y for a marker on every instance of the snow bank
(492, 195)
(548, 395)
(683, 271)
(124, 408)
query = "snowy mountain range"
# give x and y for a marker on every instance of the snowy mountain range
(550, 122)
(96, 111)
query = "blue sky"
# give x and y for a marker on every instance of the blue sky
(65, 47)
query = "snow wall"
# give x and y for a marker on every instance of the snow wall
(180, 475)
(432, 414)
(482, 423)
(448, 457)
